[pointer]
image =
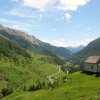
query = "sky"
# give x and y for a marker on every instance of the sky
(61, 23)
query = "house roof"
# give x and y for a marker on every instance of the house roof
(93, 59)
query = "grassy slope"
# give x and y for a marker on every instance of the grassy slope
(19, 68)
(78, 86)
(10, 49)
(29, 74)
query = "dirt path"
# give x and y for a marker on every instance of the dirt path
(50, 77)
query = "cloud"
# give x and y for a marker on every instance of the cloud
(68, 43)
(72, 5)
(19, 25)
(65, 6)
(8, 21)
(38, 4)
(24, 27)
(67, 17)
(15, 24)
(16, 12)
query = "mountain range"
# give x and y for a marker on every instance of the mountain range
(29, 42)
(32, 43)
(76, 49)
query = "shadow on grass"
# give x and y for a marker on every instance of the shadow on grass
(97, 75)
(91, 73)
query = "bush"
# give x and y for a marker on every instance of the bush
(6, 91)
(32, 88)
(38, 86)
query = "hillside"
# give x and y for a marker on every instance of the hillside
(9, 48)
(93, 48)
(77, 87)
(20, 69)
(33, 44)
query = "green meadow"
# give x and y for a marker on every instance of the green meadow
(79, 86)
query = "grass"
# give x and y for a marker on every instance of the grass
(79, 86)
(17, 76)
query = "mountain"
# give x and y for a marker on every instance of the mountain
(93, 48)
(76, 49)
(32, 43)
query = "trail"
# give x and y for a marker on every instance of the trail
(49, 77)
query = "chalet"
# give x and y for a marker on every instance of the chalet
(92, 64)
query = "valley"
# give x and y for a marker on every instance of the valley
(33, 70)
(49, 50)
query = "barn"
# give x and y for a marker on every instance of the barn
(92, 64)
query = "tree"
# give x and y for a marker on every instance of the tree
(6, 91)
(24, 88)
(32, 88)
(43, 84)
(50, 85)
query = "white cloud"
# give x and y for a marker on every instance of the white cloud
(23, 27)
(39, 4)
(72, 5)
(66, 6)
(68, 43)
(18, 13)
(16, 24)
(8, 21)
(19, 25)
(67, 17)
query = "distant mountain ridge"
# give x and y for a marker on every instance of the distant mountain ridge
(26, 36)
(93, 48)
(30, 42)
(76, 49)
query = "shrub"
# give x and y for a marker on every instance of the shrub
(32, 88)
(6, 91)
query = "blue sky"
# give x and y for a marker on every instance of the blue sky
(59, 22)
